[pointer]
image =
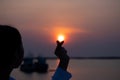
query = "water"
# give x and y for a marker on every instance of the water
(80, 69)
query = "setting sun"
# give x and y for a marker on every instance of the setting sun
(60, 38)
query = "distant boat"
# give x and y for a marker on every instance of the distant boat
(29, 65)
(41, 66)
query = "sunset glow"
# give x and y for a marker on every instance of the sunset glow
(88, 28)
(60, 38)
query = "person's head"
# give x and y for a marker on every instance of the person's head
(11, 50)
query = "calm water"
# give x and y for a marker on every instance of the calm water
(80, 69)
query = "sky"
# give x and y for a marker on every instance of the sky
(90, 27)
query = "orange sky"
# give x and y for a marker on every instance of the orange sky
(91, 27)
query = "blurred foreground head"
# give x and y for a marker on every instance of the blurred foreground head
(11, 48)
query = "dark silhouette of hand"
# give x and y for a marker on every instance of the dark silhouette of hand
(61, 53)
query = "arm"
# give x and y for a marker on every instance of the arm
(61, 71)
(61, 53)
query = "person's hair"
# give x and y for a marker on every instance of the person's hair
(10, 41)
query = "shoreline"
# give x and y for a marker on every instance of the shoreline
(80, 57)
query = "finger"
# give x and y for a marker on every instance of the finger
(59, 43)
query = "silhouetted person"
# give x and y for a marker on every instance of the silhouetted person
(11, 50)
(11, 54)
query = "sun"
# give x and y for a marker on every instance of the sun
(60, 38)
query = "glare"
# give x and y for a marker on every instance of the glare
(60, 38)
